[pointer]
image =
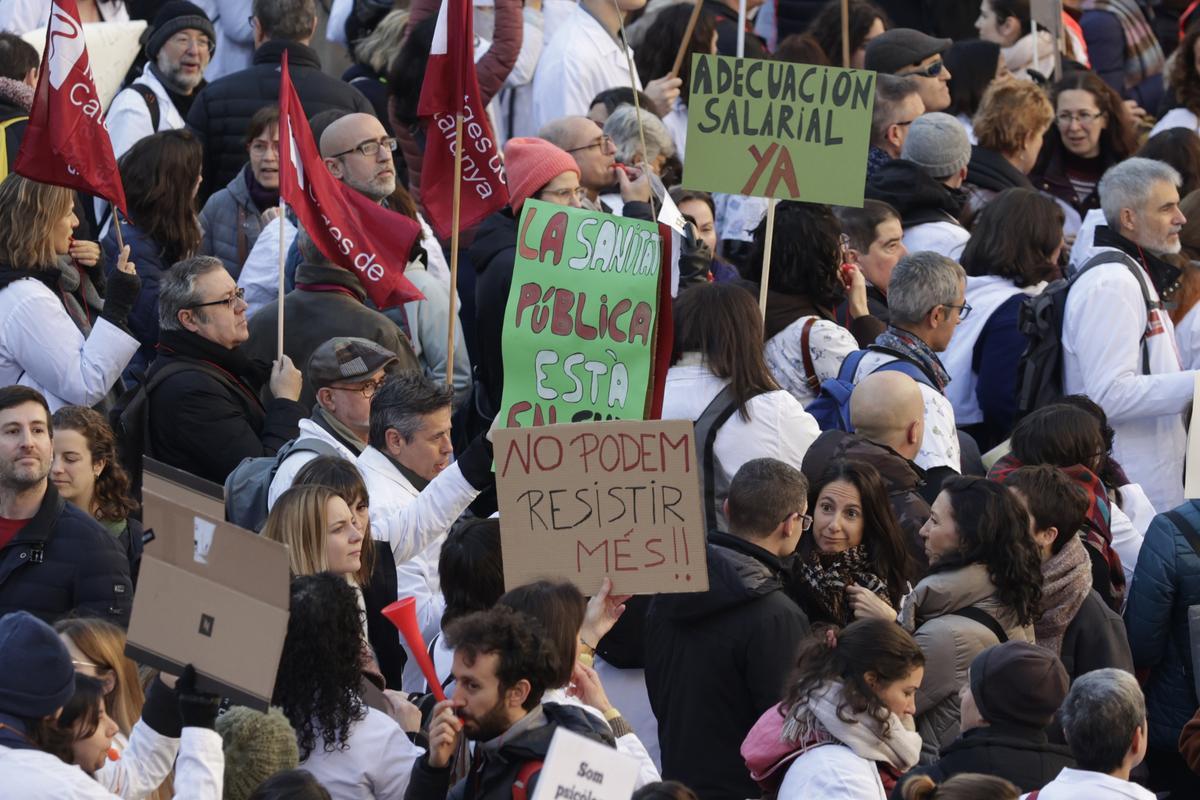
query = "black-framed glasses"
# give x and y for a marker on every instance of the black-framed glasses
(932, 71)
(963, 311)
(1084, 118)
(805, 520)
(369, 149)
(238, 294)
(605, 143)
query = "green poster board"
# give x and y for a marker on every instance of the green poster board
(579, 327)
(775, 129)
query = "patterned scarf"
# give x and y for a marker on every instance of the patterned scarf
(1066, 581)
(826, 576)
(915, 349)
(1143, 54)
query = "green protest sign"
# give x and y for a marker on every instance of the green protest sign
(775, 129)
(579, 327)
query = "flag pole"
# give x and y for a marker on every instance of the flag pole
(846, 34)
(279, 331)
(454, 209)
(687, 37)
(765, 280)
(637, 107)
(117, 221)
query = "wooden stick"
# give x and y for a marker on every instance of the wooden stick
(687, 37)
(846, 34)
(282, 277)
(117, 222)
(637, 108)
(454, 212)
(765, 280)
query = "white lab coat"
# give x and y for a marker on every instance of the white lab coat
(285, 476)
(1102, 358)
(1078, 784)
(414, 524)
(1177, 118)
(377, 762)
(40, 347)
(235, 36)
(947, 238)
(128, 117)
(146, 760)
(832, 772)
(37, 775)
(260, 274)
(580, 61)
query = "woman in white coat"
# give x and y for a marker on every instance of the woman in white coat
(718, 362)
(40, 345)
(844, 728)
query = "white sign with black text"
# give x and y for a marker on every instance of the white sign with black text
(578, 768)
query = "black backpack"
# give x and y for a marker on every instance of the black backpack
(1040, 371)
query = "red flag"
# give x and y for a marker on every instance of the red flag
(352, 231)
(451, 87)
(66, 142)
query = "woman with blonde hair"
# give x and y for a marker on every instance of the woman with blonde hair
(87, 472)
(1013, 117)
(40, 345)
(316, 525)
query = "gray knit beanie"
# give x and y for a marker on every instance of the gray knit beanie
(938, 144)
(256, 746)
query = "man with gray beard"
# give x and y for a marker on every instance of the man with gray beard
(178, 49)
(54, 558)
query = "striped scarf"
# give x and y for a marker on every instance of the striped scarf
(1143, 54)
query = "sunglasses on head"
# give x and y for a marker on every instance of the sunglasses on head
(932, 71)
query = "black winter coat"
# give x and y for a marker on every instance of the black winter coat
(1018, 754)
(501, 769)
(207, 419)
(715, 661)
(917, 197)
(64, 561)
(1095, 639)
(493, 253)
(221, 112)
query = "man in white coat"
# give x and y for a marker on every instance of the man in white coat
(1104, 719)
(1119, 344)
(346, 372)
(178, 50)
(416, 491)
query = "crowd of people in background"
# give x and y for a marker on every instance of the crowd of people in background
(949, 554)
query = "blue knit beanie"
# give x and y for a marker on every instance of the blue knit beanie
(36, 674)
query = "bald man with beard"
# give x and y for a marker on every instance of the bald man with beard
(888, 414)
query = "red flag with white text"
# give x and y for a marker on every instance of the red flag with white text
(451, 87)
(352, 231)
(66, 142)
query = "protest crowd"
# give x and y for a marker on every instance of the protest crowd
(359, 331)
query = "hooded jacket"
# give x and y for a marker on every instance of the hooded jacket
(500, 770)
(929, 210)
(718, 661)
(988, 174)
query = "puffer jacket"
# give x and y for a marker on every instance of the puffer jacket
(1166, 582)
(949, 642)
(231, 224)
(221, 112)
(719, 660)
(63, 561)
(902, 478)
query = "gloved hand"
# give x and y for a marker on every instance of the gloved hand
(121, 291)
(197, 709)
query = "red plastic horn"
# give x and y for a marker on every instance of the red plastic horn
(403, 614)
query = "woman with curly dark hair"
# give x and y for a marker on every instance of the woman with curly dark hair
(840, 732)
(346, 745)
(1184, 80)
(984, 587)
(867, 21)
(1093, 131)
(805, 340)
(87, 472)
(855, 556)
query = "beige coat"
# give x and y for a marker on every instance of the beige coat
(950, 642)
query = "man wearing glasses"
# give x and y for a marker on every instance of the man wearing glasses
(346, 373)
(181, 42)
(594, 152)
(716, 666)
(911, 54)
(210, 410)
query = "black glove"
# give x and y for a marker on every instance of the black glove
(119, 297)
(694, 259)
(197, 709)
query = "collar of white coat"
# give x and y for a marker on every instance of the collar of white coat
(591, 28)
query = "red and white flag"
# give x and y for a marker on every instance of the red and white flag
(352, 231)
(66, 142)
(450, 88)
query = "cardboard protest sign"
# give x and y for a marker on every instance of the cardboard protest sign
(115, 45)
(1047, 14)
(775, 129)
(580, 324)
(578, 768)
(209, 594)
(619, 499)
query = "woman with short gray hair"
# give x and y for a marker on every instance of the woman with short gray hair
(622, 128)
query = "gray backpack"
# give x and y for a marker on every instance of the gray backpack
(247, 487)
